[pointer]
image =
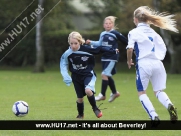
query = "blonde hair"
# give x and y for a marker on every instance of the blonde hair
(77, 36)
(112, 19)
(162, 20)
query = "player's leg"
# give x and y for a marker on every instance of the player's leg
(105, 83)
(79, 89)
(89, 83)
(114, 93)
(112, 85)
(80, 108)
(142, 81)
(107, 67)
(158, 81)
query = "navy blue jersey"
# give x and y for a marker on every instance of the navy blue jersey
(80, 62)
(110, 39)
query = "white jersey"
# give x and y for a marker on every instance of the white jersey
(146, 43)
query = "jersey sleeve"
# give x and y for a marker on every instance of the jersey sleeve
(131, 40)
(122, 38)
(64, 69)
(99, 42)
(100, 49)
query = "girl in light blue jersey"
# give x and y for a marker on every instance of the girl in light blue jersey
(79, 60)
(109, 38)
(150, 49)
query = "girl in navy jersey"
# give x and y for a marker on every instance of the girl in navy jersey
(79, 59)
(150, 49)
(108, 38)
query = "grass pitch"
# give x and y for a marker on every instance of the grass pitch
(50, 99)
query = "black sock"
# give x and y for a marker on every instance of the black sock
(92, 101)
(112, 85)
(105, 83)
(80, 108)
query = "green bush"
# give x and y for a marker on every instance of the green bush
(55, 43)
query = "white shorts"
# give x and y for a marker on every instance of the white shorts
(153, 71)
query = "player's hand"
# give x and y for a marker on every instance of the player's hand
(88, 41)
(130, 63)
(117, 51)
(68, 82)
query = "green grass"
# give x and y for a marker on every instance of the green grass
(50, 99)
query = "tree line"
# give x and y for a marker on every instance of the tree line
(59, 21)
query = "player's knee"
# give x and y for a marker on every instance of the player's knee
(80, 100)
(104, 77)
(141, 92)
(88, 92)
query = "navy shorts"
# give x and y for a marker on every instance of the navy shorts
(108, 68)
(83, 82)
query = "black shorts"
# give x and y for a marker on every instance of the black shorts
(83, 82)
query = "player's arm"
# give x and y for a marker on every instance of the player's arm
(101, 49)
(121, 38)
(95, 43)
(129, 57)
(64, 69)
(130, 48)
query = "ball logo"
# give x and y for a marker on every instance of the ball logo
(84, 58)
(111, 38)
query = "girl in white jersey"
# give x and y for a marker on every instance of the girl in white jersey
(150, 49)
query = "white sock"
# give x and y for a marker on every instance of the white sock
(147, 105)
(163, 98)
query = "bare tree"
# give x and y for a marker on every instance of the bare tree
(39, 65)
(174, 51)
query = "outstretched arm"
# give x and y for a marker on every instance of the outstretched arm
(95, 43)
(100, 49)
(64, 70)
(121, 37)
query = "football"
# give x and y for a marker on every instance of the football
(20, 108)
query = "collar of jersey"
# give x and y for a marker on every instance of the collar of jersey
(72, 50)
(143, 24)
(110, 30)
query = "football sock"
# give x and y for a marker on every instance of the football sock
(92, 101)
(147, 105)
(80, 108)
(112, 85)
(104, 87)
(163, 98)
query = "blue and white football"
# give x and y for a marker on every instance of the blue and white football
(20, 108)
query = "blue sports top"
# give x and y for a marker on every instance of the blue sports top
(110, 39)
(80, 62)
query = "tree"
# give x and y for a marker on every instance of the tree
(59, 19)
(53, 22)
(39, 65)
(174, 51)
(123, 9)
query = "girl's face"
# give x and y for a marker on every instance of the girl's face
(74, 44)
(108, 25)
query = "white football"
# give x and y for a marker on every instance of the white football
(20, 108)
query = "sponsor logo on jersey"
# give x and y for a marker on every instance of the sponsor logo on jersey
(84, 58)
(111, 38)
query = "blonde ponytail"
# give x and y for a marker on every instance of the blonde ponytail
(162, 20)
